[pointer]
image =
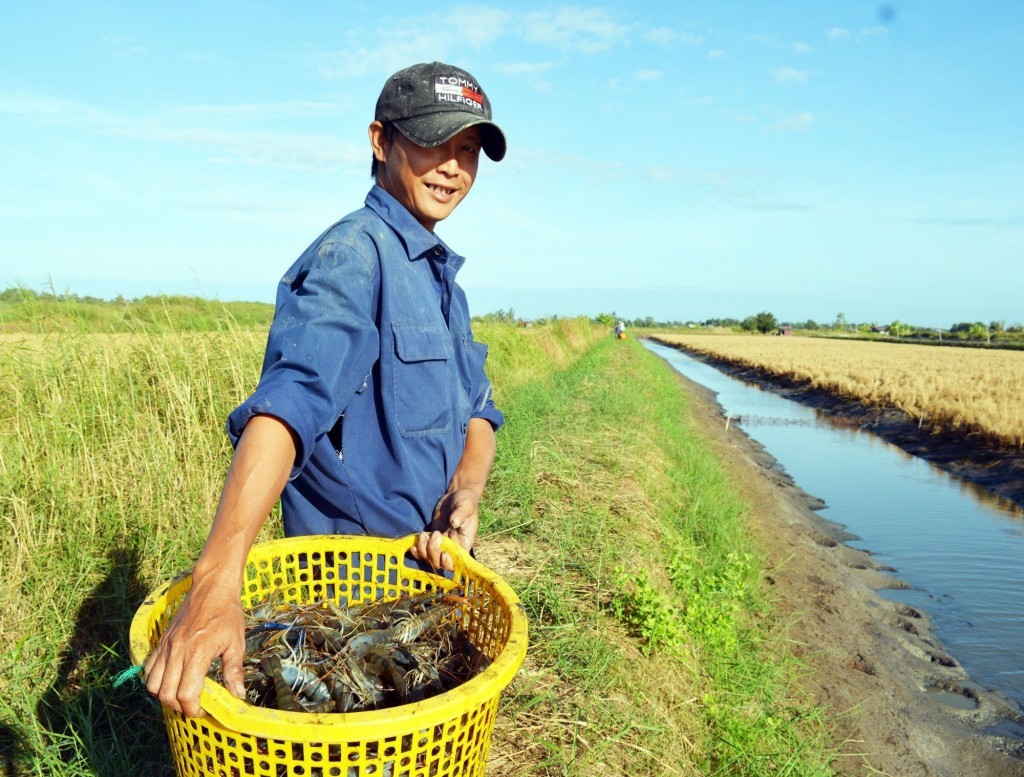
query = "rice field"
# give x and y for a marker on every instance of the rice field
(966, 390)
(112, 453)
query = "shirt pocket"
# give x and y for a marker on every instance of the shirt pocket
(422, 381)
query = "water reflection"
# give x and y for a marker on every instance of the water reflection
(959, 546)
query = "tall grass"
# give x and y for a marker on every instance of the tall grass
(26, 311)
(112, 453)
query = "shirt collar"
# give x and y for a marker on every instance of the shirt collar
(418, 241)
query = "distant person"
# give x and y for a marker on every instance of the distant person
(373, 414)
(620, 330)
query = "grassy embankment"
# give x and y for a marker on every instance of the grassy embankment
(948, 389)
(652, 651)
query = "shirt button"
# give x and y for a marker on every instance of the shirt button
(438, 250)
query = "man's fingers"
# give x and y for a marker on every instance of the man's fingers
(428, 548)
(233, 677)
(419, 548)
(153, 671)
(434, 549)
(189, 687)
(164, 684)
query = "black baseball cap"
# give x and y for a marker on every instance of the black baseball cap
(431, 102)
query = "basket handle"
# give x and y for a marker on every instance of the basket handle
(458, 553)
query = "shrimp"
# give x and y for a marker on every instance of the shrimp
(327, 656)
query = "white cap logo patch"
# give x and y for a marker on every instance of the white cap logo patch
(458, 91)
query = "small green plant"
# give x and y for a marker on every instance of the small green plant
(714, 597)
(647, 612)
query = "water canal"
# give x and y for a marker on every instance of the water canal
(960, 548)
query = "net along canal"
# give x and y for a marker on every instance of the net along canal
(957, 547)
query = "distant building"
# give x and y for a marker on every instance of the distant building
(785, 330)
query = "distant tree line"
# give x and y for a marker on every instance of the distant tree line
(156, 306)
(766, 322)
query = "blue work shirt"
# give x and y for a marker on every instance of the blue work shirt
(371, 362)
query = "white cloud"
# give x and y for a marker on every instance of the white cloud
(870, 32)
(532, 69)
(387, 56)
(844, 33)
(715, 53)
(567, 28)
(801, 48)
(196, 57)
(790, 75)
(287, 109)
(799, 123)
(770, 206)
(763, 38)
(39, 107)
(127, 47)
(186, 127)
(476, 26)
(648, 75)
(415, 39)
(294, 151)
(739, 187)
(574, 165)
(667, 37)
(575, 29)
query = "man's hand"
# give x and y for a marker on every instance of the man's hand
(209, 623)
(456, 516)
(206, 626)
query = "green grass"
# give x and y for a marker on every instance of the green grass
(647, 619)
(112, 453)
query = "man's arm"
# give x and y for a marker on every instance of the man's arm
(209, 623)
(456, 514)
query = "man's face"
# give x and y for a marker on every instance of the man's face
(429, 182)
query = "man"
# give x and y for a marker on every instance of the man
(373, 414)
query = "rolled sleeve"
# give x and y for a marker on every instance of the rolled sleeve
(321, 345)
(491, 413)
(482, 396)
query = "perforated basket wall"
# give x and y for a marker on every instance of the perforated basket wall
(444, 736)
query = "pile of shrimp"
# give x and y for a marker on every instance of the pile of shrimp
(328, 657)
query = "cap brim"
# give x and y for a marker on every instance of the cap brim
(436, 128)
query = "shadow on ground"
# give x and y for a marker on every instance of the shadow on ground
(104, 730)
(11, 748)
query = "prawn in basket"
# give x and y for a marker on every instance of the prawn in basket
(330, 657)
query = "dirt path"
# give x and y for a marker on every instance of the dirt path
(868, 660)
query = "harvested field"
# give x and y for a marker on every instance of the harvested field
(967, 391)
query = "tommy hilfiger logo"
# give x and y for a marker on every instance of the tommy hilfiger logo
(458, 90)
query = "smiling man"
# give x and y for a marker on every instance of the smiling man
(373, 414)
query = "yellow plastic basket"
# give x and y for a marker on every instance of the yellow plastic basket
(444, 736)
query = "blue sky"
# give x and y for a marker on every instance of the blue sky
(674, 159)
